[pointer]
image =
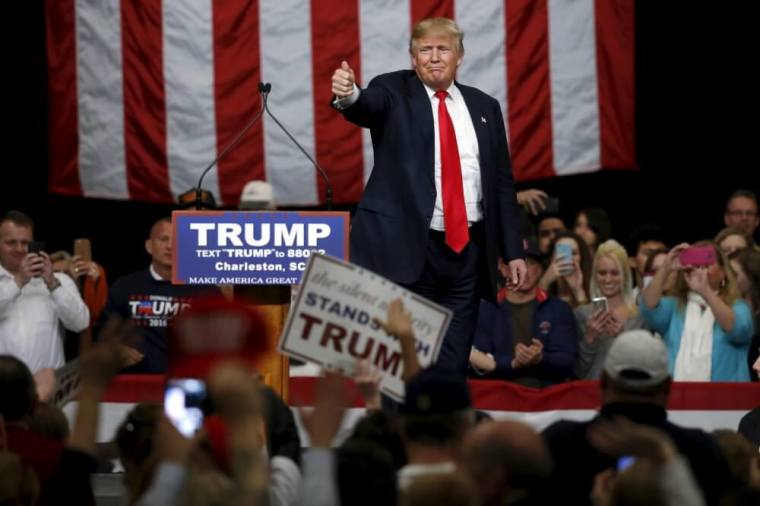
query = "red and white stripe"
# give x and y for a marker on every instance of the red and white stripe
(143, 95)
(708, 406)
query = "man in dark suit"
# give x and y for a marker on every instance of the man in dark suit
(439, 208)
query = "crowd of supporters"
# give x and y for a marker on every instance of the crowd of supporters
(633, 312)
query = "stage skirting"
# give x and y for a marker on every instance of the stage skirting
(706, 405)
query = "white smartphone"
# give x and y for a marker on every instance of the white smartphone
(184, 401)
(599, 304)
(625, 462)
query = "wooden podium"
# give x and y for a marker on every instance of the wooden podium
(272, 302)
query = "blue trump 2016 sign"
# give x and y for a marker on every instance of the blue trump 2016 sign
(253, 247)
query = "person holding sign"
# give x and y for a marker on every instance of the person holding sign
(440, 207)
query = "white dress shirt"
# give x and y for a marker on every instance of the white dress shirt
(469, 157)
(32, 319)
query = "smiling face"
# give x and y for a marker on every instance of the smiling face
(435, 58)
(609, 277)
(14, 244)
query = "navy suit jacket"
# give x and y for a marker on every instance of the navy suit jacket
(389, 232)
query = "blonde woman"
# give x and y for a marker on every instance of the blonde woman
(706, 325)
(614, 311)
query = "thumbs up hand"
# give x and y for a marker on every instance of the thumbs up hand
(343, 80)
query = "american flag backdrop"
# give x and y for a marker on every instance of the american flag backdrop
(145, 93)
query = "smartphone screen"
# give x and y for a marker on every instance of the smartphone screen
(599, 304)
(625, 462)
(36, 246)
(551, 205)
(698, 256)
(565, 252)
(184, 400)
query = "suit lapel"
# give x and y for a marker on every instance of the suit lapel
(478, 116)
(422, 112)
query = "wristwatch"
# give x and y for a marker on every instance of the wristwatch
(54, 285)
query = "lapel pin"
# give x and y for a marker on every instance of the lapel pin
(483, 120)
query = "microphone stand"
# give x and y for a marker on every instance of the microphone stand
(264, 91)
(266, 88)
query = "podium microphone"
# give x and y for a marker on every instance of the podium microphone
(265, 88)
(264, 91)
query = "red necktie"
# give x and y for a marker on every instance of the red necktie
(454, 212)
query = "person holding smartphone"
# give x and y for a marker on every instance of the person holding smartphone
(706, 325)
(36, 304)
(611, 311)
(568, 274)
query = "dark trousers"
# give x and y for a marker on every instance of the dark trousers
(453, 281)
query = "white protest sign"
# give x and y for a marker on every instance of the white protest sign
(332, 322)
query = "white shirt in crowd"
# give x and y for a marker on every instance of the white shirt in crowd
(32, 319)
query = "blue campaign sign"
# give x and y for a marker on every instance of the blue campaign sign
(253, 247)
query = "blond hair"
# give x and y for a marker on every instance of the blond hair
(437, 26)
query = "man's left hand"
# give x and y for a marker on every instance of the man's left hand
(518, 270)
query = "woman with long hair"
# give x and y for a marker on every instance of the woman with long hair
(706, 325)
(568, 277)
(612, 312)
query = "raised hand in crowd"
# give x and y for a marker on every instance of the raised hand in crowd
(330, 400)
(235, 395)
(129, 356)
(234, 392)
(575, 282)
(399, 325)
(653, 292)
(36, 265)
(696, 280)
(97, 367)
(45, 381)
(367, 378)
(78, 268)
(171, 446)
(533, 200)
(553, 271)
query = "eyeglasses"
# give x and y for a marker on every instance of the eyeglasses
(748, 214)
